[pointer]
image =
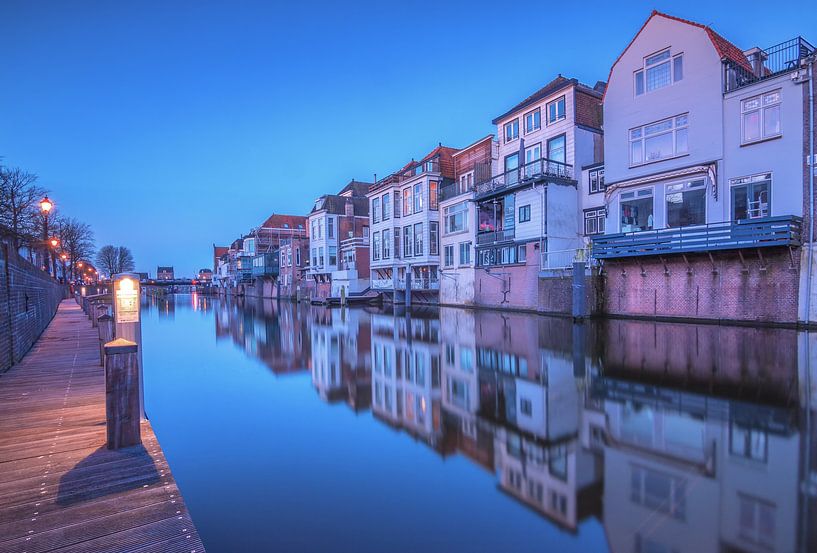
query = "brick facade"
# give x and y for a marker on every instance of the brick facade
(28, 301)
(588, 108)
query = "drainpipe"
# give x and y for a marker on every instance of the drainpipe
(811, 167)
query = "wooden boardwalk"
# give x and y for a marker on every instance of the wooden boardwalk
(60, 488)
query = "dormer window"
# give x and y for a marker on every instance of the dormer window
(660, 70)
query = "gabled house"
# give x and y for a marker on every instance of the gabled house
(164, 273)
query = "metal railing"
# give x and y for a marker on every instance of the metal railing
(564, 259)
(455, 189)
(727, 235)
(764, 64)
(492, 237)
(533, 171)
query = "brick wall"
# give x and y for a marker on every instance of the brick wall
(723, 289)
(28, 301)
(588, 109)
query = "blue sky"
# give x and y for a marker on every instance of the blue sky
(171, 125)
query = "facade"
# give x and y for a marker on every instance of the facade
(706, 186)
(404, 215)
(205, 275)
(164, 273)
(529, 213)
(459, 221)
(338, 241)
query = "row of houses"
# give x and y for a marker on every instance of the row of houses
(682, 182)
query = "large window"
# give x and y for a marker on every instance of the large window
(524, 213)
(761, 116)
(465, 182)
(596, 177)
(386, 244)
(751, 197)
(556, 149)
(660, 140)
(455, 218)
(376, 210)
(333, 255)
(330, 227)
(686, 203)
(594, 221)
(432, 195)
(533, 121)
(407, 201)
(376, 245)
(556, 110)
(418, 239)
(408, 241)
(418, 198)
(512, 130)
(637, 210)
(533, 154)
(511, 169)
(386, 206)
(433, 238)
(448, 256)
(660, 70)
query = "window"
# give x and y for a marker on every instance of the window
(657, 490)
(525, 406)
(596, 177)
(376, 245)
(418, 198)
(465, 253)
(757, 520)
(433, 238)
(333, 255)
(418, 239)
(386, 206)
(594, 221)
(660, 140)
(314, 257)
(432, 195)
(407, 201)
(512, 130)
(330, 227)
(637, 210)
(298, 257)
(397, 243)
(686, 203)
(465, 182)
(365, 232)
(748, 443)
(511, 169)
(521, 253)
(532, 155)
(455, 218)
(659, 70)
(751, 197)
(556, 149)
(556, 110)
(761, 116)
(533, 121)
(320, 229)
(448, 256)
(386, 244)
(321, 258)
(376, 210)
(524, 213)
(408, 241)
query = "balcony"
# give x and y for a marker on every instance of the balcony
(728, 235)
(455, 189)
(765, 64)
(400, 284)
(526, 175)
(265, 264)
(492, 237)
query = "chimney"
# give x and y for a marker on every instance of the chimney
(349, 208)
(757, 59)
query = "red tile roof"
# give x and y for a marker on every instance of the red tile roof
(725, 49)
(285, 221)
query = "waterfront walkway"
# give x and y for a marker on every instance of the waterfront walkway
(61, 489)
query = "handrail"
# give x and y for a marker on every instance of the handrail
(753, 233)
(533, 171)
(764, 64)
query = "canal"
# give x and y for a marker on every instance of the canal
(304, 429)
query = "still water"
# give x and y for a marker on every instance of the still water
(296, 428)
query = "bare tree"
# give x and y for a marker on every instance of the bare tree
(115, 259)
(77, 241)
(19, 205)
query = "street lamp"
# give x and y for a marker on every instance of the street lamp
(64, 258)
(46, 206)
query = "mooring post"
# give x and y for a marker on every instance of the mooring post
(127, 319)
(122, 394)
(98, 310)
(578, 291)
(105, 326)
(408, 286)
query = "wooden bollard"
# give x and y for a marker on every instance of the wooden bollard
(105, 326)
(99, 310)
(122, 393)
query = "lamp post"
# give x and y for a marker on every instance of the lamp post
(46, 206)
(64, 258)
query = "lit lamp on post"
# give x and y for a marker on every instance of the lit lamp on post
(63, 259)
(127, 320)
(46, 206)
(54, 243)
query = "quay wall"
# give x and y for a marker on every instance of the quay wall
(28, 301)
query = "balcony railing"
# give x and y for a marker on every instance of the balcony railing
(535, 171)
(454, 189)
(764, 64)
(492, 237)
(400, 284)
(728, 235)
(564, 259)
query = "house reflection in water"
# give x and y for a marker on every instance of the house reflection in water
(672, 437)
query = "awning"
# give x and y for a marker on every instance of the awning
(708, 169)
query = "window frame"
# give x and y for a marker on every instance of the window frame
(467, 246)
(642, 138)
(375, 210)
(386, 238)
(433, 238)
(684, 181)
(385, 204)
(535, 125)
(555, 102)
(597, 214)
(376, 245)
(513, 126)
(675, 75)
(761, 109)
(418, 240)
(446, 262)
(523, 210)
(599, 177)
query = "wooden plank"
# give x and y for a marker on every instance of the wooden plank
(61, 489)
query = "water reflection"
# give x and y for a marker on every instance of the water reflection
(672, 437)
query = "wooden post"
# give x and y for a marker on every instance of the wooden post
(98, 310)
(122, 394)
(105, 325)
